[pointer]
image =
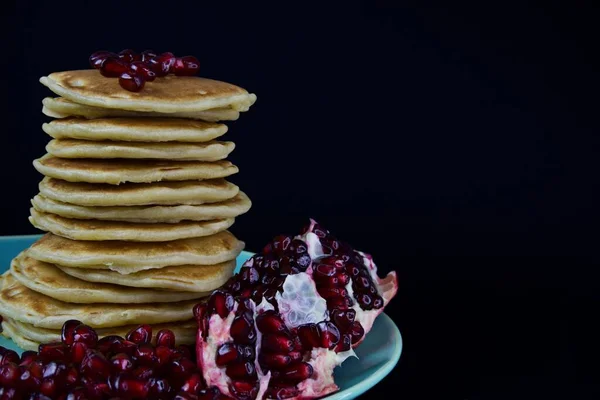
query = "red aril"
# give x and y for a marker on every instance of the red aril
(131, 82)
(186, 66)
(113, 67)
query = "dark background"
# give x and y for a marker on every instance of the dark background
(456, 143)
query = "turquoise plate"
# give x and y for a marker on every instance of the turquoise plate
(377, 355)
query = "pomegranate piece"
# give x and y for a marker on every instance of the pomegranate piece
(309, 299)
(129, 55)
(186, 66)
(98, 57)
(143, 70)
(8, 356)
(113, 67)
(165, 337)
(147, 55)
(86, 335)
(53, 352)
(162, 64)
(131, 82)
(27, 357)
(9, 374)
(139, 335)
(67, 330)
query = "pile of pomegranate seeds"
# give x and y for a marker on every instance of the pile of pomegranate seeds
(135, 69)
(83, 367)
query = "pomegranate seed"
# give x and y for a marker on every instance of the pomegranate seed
(339, 302)
(98, 391)
(241, 371)
(141, 334)
(163, 354)
(131, 82)
(28, 380)
(377, 302)
(165, 337)
(193, 384)
(147, 55)
(131, 388)
(128, 55)
(53, 352)
(185, 396)
(325, 270)
(112, 67)
(310, 336)
(186, 66)
(328, 293)
(109, 344)
(282, 392)
(270, 322)
(121, 362)
(159, 387)
(9, 394)
(362, 282)
(7, 356)
(77, 394)
(330, 334)
(143, 372)
(357, 332)
(242, 329)
(243, 390)
(365, 301)
(246, 352)
(344, 344)
(36, 369)
(277, 343)
(72, 376)
(343, 318)
(332, 260)
(353, 270)
(181, 367)
(221, 303)
(66, 334)
(48, 388)
(249, 275)
(9, 373)
(27, 357)
(226, 353)
(293, 374)
(85, 334)
(185, 351)
(78, 351)
(142, 69)
(279, 360)
(162, 64)
(98, 57)
(95, 365)
(211, 393)
(145, 355)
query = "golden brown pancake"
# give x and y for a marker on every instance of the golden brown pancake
(135, 129)
(231, 208)
(48, 279)
(118, 171)
(129, 257)
(138, 194)
(59, 107)
(20, 303)
(76, 148)
(168, 94)
(89, 229)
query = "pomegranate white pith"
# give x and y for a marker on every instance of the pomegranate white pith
(317, 299)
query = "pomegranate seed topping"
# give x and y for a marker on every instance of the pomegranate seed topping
(139, 335)
(163, 354)
(78, 351)
(144, 372)
(142, 69)
(131, 388)
(28, 357)
(147, 55)
(165, 337)
(131, 82)
(158, 387)
(98, 57)
(8, 356)
(226, 354)
(95, 365)
(53, 352)
(128, 55)
(186, 66)
(293, 374)
(145, 355)
(28, 380)
(9, 394)
(162, 64)
(109, 344)
(77, 394)
(112, 67)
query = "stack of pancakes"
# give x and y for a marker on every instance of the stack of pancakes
(136, 203)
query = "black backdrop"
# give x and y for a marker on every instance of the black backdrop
(414, 130)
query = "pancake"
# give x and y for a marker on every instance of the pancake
(49, 280)
(138, 194)
(185, 332)
(135, 129)
(129, 170)
(129, 257)
(20, 303)
(88, 229)
(169, 94)
(75, 148)
(191, 278)
(231, 208)
(59, 107)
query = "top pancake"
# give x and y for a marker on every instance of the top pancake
(59, 107)
(165, 95)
